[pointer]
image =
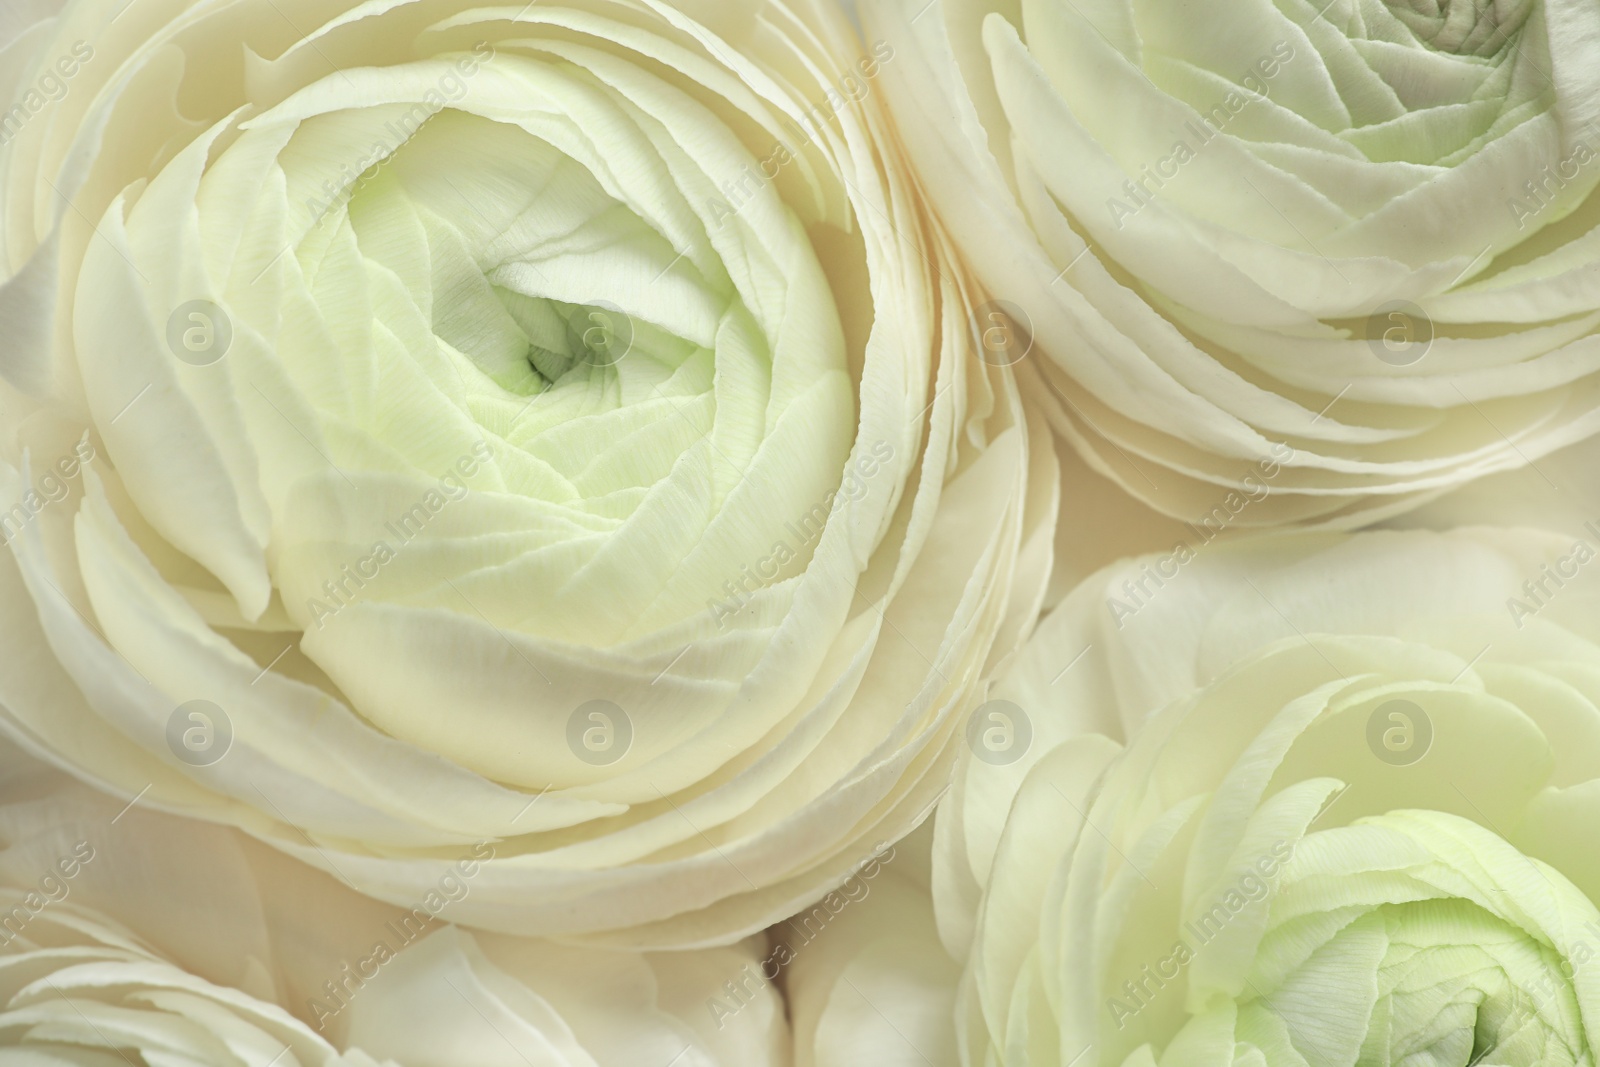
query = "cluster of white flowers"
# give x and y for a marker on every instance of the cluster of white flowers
(678, 533)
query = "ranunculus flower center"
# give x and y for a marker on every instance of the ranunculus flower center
(1464, 27)
(522, 361)
(1388, 945)
(564, 302)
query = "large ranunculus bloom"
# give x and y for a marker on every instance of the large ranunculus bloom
(541, 439)
(130, 936)
(1324, 800)
(1356, 239)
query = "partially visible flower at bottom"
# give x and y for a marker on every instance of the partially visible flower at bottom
(129, 937)
(875, 986)
(76, 988)
(496, 1001)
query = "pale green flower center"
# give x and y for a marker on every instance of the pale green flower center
(1411, 939)
(521, 340)
(544, 292)
(522, 302)
(1463, 27)
(1439, 982)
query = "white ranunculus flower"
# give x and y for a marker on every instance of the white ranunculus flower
(171, 941)
(539, 437)
(1324, 800)
(1363, 232)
